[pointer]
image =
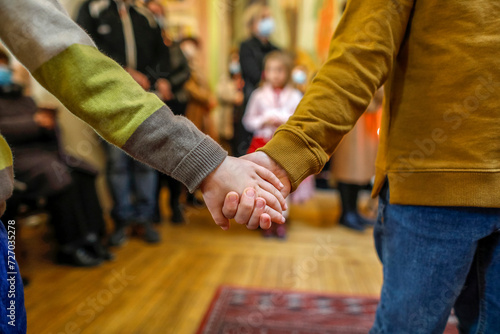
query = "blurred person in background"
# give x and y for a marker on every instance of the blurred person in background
(269, 107)
(201, 99)
(174, 66)
(130, 35)
(260, 25)
(353, 164)
(45, 170)
(230, 97)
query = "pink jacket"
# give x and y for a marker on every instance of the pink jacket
(266, 104)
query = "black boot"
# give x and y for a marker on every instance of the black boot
(349, 197)
(78, 257)
(96, 248)
(175, 189)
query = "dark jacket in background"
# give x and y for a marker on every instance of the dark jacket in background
(175, 68)
(101, 20)
(252, 54)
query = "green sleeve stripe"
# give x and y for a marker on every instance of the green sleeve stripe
(99, 91)
(5, 154)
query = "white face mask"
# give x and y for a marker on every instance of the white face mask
(189, 50)
(266, 27)
(299, 77)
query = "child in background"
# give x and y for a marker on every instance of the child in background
(269, 107)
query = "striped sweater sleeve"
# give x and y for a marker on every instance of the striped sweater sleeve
(63, 58)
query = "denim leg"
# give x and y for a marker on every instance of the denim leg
(426, 253)
(478, 307)
(489, 267)
(119, 172)
(12, 311)
(145, 186)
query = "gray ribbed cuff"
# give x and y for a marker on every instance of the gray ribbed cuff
(199, 163)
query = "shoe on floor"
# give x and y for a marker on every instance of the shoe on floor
(351, 221)
(118, 237)
(101, 251)
(80, 257)
(151, 236)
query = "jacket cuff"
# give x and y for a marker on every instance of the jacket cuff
(294, 155)
(199, 163)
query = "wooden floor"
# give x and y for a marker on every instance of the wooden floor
(167, 288)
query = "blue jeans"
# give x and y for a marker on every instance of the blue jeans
(12, 311)
(133, 187)
(434, 259)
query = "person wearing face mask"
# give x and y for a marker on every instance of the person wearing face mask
(299, 78)
(252, 53)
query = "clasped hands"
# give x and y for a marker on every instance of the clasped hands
(251, 189)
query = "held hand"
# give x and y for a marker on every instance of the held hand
(240, 211)
(164, 89)
(140, 78)
(237, 175)
(262, 159)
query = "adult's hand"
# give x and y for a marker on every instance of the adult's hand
(238, 176)
(233, 208)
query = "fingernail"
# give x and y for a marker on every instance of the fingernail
(233, 197)
(286, 206)
(282, 186)
(283, 220)
(250, 192)
(224, 228)
(260, 204)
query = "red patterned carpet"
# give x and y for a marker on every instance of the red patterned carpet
(248, 311)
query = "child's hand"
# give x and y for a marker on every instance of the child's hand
(236, 175)
(233, 207)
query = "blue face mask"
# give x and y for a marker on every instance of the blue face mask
(234, 67)
(266, 27)
(299, 77)
(5, 75)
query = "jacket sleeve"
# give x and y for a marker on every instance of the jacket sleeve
(181, 72)
(362, 52)
(63, 58)
(249, 65)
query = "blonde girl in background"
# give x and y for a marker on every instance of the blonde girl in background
(270, 106)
